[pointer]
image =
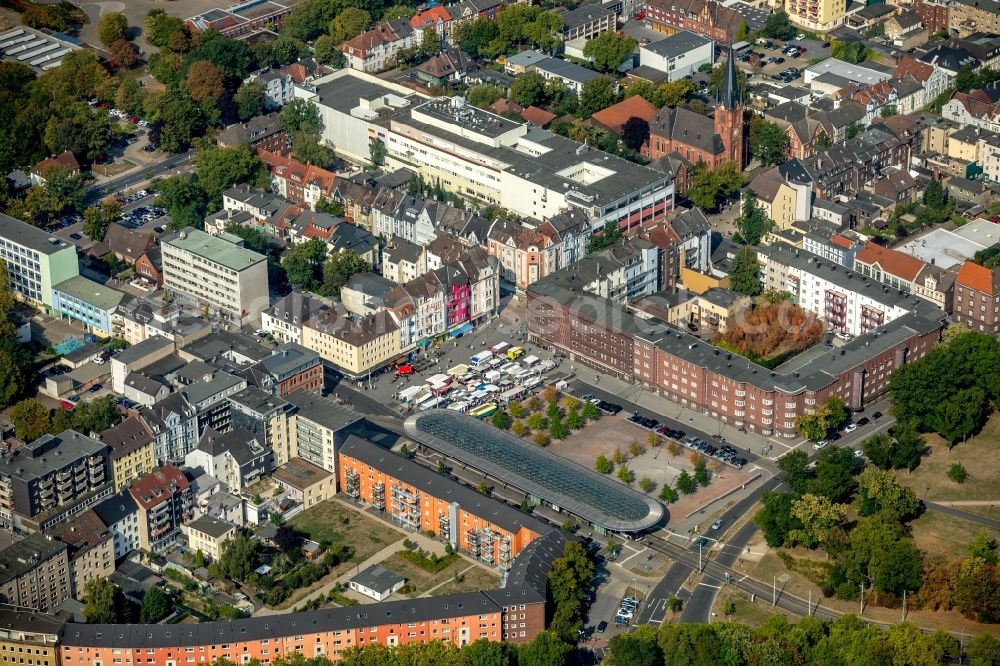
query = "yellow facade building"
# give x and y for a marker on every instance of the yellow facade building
(29, 639)
(355, 346)
(132, 451)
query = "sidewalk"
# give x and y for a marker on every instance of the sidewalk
(634, 393)
(422, 541)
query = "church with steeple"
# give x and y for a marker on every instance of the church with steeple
(682, 138)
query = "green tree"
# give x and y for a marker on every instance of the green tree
(685, 483)
(818, 516)
(158, 26)
(674, 93)
(249, 100)
(977, 590)
(744, 273)
(811, 426)
(527, 89)
(221, 168)
(331, 206)
(501, 419)
(881, 492)
(597, 94)
(557, 429)
(701, 473)
(105, 603)
(983, 546)
(668, 494)
(779, 27)
(30, 419)
(155, 606)
(397, 12)
(96, 219)
(710, 187)
(603, 465)
(636, 649)
(768, 142)
(301, 115)
(306, 149)
(180, 121)
(608, 50)
(111, 27)
(97, 415)
(349, 23)
(307, 19)
(430, 43)
(960, 415)
(278, 52)
(61, 192)
(852, 52)
(537, 421)
(338, 270)
(483, 95)
(635, 132)
(646, 484)
(185, 200)
(327, 51)
(239, 557)
(591, 412)
(888, 111)
(545, 649)
(378, 152)
(984, 650)
(775, 520)
(303, 264)
(625, 475)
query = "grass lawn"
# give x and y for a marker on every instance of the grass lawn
(980, 456)
(476, 578)
(325, 522)
(752, 615)
(113, 169)
(421, 581)
(943, 537)
(365, 535)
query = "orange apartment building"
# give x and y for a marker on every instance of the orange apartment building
(421, 499)
(515, 612)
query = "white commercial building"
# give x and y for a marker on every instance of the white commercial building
(679, 55)
(216, 271)
(845, 300)
(485, 157)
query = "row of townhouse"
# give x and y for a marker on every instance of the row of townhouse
(456, 295)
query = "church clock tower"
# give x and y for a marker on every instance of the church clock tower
(729, 123)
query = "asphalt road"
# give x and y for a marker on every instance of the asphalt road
(97, 192)
(964, 515)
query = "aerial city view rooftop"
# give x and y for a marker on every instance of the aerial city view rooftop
(499, 333)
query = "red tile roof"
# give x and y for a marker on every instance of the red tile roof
(975, 277)
(841, 241)
(895, 263)
(65, 159)
(156, 487)
(430, 17)
(921, 71)
(614, 117)
(537, 116)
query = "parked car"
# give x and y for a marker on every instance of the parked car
(876, 416)
(864, 421)
(601, 626)
(850, 427)
(95, 388)
(66, 404)
(820, 445)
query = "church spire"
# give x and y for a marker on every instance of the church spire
(729, 94)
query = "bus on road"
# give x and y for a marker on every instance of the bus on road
(484, 411)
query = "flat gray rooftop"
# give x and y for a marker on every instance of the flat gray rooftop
(553, 479)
